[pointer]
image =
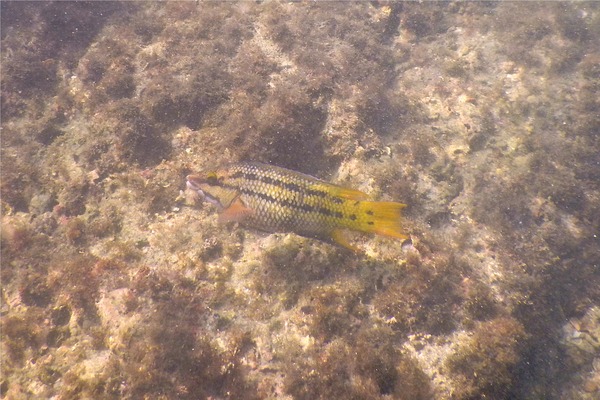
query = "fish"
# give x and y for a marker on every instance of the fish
(276, 199)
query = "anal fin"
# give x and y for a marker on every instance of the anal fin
(339, 237)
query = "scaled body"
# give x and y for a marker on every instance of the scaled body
(280, 200)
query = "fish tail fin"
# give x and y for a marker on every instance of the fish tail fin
(382, 218)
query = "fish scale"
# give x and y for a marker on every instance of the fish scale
(276, 199)
(285, 200)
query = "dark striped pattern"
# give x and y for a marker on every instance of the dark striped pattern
(282, 184)
(279, 200)
(287, 200)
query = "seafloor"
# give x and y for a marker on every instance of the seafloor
(483, 117)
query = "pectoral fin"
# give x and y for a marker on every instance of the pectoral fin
(236, 212)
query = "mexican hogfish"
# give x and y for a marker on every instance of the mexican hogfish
(276, 199)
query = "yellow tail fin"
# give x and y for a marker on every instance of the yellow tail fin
(382, 218)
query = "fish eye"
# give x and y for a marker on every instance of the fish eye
(212, 179)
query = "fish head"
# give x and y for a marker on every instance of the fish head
(212, 188)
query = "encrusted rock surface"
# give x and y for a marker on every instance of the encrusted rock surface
(483, 117)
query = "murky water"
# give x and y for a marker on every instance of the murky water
(483, 118)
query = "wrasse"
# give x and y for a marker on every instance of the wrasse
(276, 199)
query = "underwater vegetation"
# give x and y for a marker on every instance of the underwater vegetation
(482, 117)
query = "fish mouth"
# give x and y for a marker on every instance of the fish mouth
(190, 184)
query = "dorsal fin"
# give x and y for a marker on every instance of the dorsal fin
(344, 193)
